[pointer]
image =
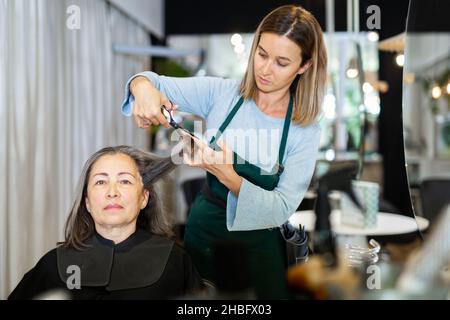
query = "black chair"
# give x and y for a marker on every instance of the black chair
(308, 203)
(191, 188)
(434, 195)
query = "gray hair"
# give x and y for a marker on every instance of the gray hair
(80, 225)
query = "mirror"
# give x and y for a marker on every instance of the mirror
(426, 105)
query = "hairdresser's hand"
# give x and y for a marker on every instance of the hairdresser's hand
(218, 163)
(147, 104)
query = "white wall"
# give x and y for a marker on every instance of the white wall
(221, 60)
(150, 13)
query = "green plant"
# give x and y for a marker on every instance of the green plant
(169, 67)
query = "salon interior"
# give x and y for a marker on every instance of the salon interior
(385, 129)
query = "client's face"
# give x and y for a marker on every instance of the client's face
(115, 193)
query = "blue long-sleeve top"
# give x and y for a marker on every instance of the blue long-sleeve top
(255, 137)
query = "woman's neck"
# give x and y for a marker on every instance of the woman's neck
(273, 103)
(116, 234)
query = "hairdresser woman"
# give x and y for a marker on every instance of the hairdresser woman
(267, 124)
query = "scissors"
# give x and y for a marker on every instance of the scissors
(168, 115)
(182, 131)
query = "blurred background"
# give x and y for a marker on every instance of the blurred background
(64, 65)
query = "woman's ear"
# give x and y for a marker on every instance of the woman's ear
(146, 194)
(88, 207)
(305, 67)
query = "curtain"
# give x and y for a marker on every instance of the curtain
(60, 96)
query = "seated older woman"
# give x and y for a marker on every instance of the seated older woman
(117, 242)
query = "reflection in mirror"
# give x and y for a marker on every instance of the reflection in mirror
(426, 107)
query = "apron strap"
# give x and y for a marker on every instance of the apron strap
(211, 197)
(228, 120)
(287, 123)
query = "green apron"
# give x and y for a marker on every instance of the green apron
(207, 223)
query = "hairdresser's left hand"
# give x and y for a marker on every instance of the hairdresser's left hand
(218, 163)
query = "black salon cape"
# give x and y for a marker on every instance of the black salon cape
(144, 266)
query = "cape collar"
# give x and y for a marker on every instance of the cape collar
(136, 262)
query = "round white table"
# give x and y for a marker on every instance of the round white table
(388, 224)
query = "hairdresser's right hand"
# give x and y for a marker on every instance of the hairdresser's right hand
(147, 104)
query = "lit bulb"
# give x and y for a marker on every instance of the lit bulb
(409, 77)
(367, 87)
(352, 73)
(373, 36)
(330, 155)
(236, 39)
(400, 59)
(239, 48)
(436, 92)
(448, 88)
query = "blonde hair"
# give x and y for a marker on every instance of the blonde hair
(300, 26)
